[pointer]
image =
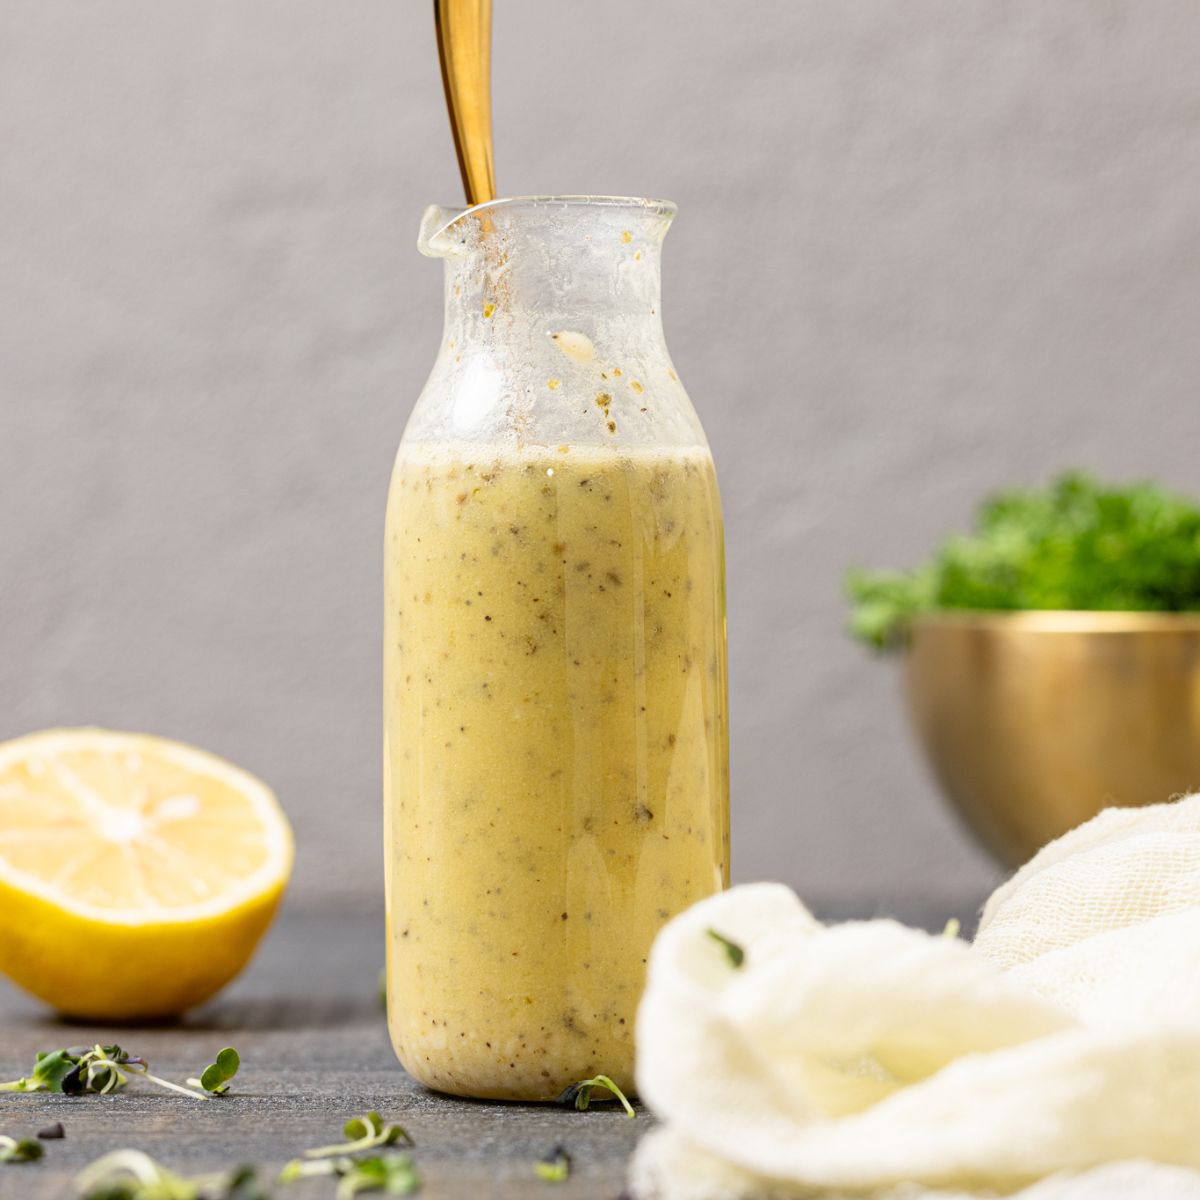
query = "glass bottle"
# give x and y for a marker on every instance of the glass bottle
(556, 758)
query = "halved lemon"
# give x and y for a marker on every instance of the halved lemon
(137, 874)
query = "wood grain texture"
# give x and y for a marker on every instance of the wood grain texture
(315, 1052)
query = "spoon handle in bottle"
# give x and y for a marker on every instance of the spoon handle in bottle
(464, 34)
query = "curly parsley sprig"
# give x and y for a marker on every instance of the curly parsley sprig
(1075, 544)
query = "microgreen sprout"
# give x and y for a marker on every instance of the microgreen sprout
(50, 1068)
(733, 951)
(99, 1069)
(26, 1150)
(393, 1174)
(554, 1167)
(365, 1133)
(242, 1184)
(579, 1095)
(216, 1076)
(20, 1150)
(132, 1175)
(298, 1169)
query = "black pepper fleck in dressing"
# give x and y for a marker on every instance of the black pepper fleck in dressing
(557, 751)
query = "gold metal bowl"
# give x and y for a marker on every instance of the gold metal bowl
(1035, 721)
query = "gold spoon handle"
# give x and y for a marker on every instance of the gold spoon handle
(464, 34)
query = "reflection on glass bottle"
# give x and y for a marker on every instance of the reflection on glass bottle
(555, 696)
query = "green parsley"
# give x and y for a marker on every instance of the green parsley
(579, 1095)
(1076, 544)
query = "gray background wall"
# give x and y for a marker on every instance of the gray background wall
(925, 247)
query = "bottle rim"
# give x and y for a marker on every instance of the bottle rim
(438, 221)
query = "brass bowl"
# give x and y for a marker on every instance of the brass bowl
(1035, 721)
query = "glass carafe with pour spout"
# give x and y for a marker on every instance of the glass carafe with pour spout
(556, 761)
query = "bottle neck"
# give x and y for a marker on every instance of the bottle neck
(482, 305)
(532, 268)
(553, 335)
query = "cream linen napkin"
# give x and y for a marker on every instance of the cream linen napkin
(1056, 1057)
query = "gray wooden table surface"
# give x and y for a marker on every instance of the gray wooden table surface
(305, 1017)
(315, 1051)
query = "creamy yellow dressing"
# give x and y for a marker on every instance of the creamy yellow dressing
(556, 750)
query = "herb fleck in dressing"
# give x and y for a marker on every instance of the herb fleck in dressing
(556, 766)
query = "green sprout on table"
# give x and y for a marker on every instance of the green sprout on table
(27, 1150)
(733, 952)
(365, 1133)
(50, 1069)
(133, 1175)
(579, 1095)
(98, 1069)
(20, 1150)
(216, 1076)
(554, 1167)
(392, 1173)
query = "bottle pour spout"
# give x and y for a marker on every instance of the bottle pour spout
(432, 239)
(449, 232)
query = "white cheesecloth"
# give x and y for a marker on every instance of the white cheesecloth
(1058, 1057)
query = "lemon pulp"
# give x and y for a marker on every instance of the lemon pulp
(137, 874)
